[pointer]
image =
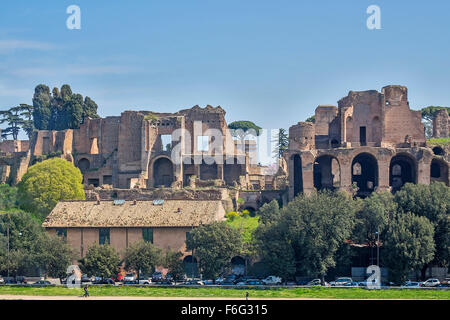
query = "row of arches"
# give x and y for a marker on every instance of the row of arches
(364, 172)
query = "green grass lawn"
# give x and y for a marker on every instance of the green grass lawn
(318, 292)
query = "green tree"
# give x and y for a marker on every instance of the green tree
(243, 128)
(53, 255)
(42, 107)
(174, 263)
(433, 202)
(143, 257)
(409, 245)
(307, 233)
(8, 197)
(214, 245)
(47, 182)
(101, 261)
(311, 119)
(16, 118)
(282, 143)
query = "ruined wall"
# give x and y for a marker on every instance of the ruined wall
(11, 146)
(441, 124)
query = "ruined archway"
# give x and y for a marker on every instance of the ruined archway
(327, 173)
(163, 172)
(439, 171)
(84, 165)
(190, 266)
(402, 169)
(298, 179)
(365, 173)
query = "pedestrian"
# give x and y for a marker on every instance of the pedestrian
(246, 295)
(86, 291)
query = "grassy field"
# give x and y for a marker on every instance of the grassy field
(317, 292)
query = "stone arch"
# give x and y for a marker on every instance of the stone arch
(190, 266)
(349, 129)
(326, 172)
(439, 171)
(84, 165)
(238, 265)
(402, 169)
(376, 130)
(162, 172)
(298, 174)
(365, 173)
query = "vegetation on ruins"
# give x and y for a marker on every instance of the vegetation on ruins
(311, 119)
(214, 245)
(47, 182)
(17, 118)
(143, 257)
(100, 261)
(439, 141)
(61, 110)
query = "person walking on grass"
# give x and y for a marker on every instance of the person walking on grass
(86, 291)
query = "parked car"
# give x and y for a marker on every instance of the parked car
(340, 282)
(144, 281)
(252, 282)
(165, 282)
(2, 281)
(431, 283)
(272, 280)
(444, 285)
(104, 281)
(42, 283)
(157, 276)
(130, 276)
(21, 280)
(227, 283)
(85, 278)
(194, 283)
(411, 284)
(351, 284)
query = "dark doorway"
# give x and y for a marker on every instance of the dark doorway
(401, 170)
(362, 136)
(365, 174)
(163, 172)
(326, 173)
(190, 267)
(298, 179)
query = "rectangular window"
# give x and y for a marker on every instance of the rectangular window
(147, 234)
(202, 143)
(362, 135)
(103, 236)
(166, 142)
(61, 232)
(107, 180)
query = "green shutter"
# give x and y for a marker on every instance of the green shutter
(147, 234)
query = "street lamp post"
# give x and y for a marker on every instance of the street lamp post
(378, 248)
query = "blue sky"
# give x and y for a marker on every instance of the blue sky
(271, 62)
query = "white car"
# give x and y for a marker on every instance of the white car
(272, 280)
(129, 277)
(2, 281)
(341, 282)
(430, 283)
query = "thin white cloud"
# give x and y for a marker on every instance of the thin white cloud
(74, 70)
(11, 45)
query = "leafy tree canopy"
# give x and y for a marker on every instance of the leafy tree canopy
(242, 128)
(47, 182)
(143, 256)
(174, 264)
(100, 261)
(214, 245)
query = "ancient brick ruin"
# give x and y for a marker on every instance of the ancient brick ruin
(370, 141)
